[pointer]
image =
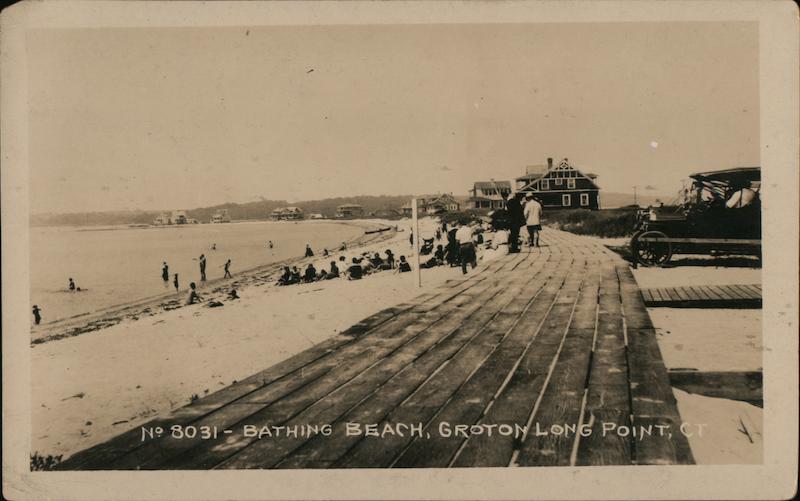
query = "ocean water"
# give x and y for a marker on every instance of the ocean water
(119, 265)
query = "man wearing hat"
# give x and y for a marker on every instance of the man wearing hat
(516, 220)
(533, 219)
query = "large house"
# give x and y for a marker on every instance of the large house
(287, 214)
(431, 205)
(560, 186)
(348, 211)
(489, 194)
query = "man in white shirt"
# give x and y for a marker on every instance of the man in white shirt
(466, 247)
(533, 219)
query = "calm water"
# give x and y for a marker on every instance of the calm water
(121, 265)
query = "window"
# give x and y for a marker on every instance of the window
(559, 181)
(545, 184)
(566, 200)
(584, 199)
(571, 183)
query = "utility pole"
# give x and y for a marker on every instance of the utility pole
(415, 236)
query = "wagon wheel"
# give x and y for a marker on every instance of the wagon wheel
(651, 253)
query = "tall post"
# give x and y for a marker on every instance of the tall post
(415, 235)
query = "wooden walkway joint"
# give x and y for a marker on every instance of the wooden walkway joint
(546, 357)
(704, 296)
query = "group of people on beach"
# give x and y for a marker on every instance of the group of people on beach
(355, 268)
(194, 297)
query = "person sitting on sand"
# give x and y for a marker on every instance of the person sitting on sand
(37, 317)
(295, 275)
(376, 260)
(355, 272)
(71, 285)
(325, 252)
(390, 258)
(194, 297)
(233, 294)
(309, 252)
(334, 273)
(311, 274)
(286, 278)
(343, 247)
(403, 265)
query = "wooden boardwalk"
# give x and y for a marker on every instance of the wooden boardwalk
(704, 296)
(527, 348)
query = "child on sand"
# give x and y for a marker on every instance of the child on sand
(354, 272)
(193, 296)
(309, 252)
(175, 282)
(227, 269)
(36, 314)
(403, 265)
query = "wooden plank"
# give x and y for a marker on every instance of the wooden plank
(470, 402)
(423, 405)
(732, 241)
(653, 403)
(607, 394)
(325, 450)
(375, 405)
(516, 403)
(691, 294)
(720, 292)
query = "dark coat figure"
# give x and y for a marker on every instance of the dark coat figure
(233, 294)
(202, 267)
(311, 274)
(334, 273)
(228, 269)
(403, 265)
(165, 272)
(309, 252)
(175, 281)
(411, 239)
(390, 258)
(516, 218)
(355, 272)
(37, 317)
(453, 250)
(71, 285)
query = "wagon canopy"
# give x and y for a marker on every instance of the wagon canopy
(730, 176)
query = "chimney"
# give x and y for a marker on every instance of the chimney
(549, 163)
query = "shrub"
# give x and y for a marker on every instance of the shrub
(602, 223)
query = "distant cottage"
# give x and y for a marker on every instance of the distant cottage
(287, 214)
(489, 194)
(560, 186)
(349, 211)
(431, 205)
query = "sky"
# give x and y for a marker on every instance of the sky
(177, 118)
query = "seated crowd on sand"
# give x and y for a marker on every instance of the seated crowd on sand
(354, 268)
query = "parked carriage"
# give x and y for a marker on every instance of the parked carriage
(719, 214)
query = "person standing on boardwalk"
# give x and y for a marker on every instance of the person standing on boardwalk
(37, 317)
(202, 262)
(466, 247)
(309, 252)
(533, 219)
(165, 273)
(228, 269)
(175, 282)
(516, 220)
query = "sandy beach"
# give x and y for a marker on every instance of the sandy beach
(90, 387)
